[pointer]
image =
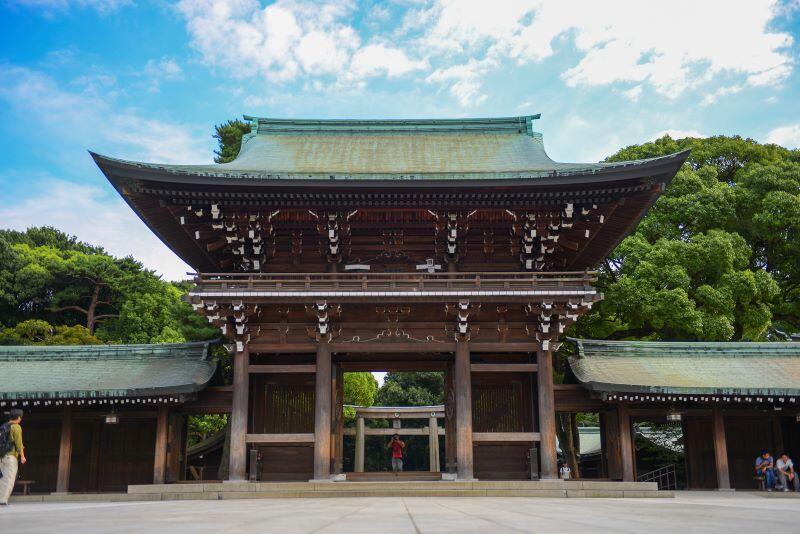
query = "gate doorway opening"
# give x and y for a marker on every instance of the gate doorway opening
(367, 443)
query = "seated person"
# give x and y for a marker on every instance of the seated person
(765, 468)
(786, 473)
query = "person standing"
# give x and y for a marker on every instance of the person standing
(397, 446)
(566, 472)
(12, 452)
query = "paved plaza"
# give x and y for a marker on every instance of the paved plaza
(688, 512)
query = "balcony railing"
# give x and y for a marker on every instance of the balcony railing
(394, 284)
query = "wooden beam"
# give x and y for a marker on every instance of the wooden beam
(463, 393)
(238, 445)
(547, 415)
(280, 438)
(368, 431)
(299, 368)
(480, 437)
(504, 367)
(322, 414)
(626, 453)
(720, 449)
(162, 430)
(65, 452)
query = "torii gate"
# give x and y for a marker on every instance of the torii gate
(396, 414)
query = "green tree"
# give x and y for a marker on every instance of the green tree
(411, 389)
(229, 137)
(360, 389)
(38, 332)
(714, 258)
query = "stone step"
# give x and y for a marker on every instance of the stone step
(393, 488)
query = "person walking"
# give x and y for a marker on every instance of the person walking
(12, 452)
(397, 446)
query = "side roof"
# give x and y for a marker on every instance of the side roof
(690, 368)
(104, 371)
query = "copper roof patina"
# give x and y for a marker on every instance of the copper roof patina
(104, 371)
(491, 148)
(691, 368)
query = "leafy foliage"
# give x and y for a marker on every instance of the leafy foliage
(716, 257)
(52, 278)
(360, 389)
(411, 389)
(38, 332)
(229, 136)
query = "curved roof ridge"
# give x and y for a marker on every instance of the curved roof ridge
(273, 126)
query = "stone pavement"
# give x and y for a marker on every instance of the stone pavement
(688, 512)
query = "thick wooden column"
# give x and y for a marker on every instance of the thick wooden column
(359, 467)
(547, 415)
(322, 414)
(462, 383)
(338, 431)
(433, 444)
(238, 447)
(720, 449)
(65, 452)
(162, 434)
(625, 443)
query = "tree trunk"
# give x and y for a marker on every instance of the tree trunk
(569, 439)
(90, 312)
(224, 462)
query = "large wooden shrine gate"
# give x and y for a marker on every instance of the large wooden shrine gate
(335, 245)
(492, 334)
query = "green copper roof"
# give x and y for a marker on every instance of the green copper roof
(98, 371)
(732, 368)
(389, 149)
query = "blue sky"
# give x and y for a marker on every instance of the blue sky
(147, 80)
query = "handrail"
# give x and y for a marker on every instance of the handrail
(359, 275)
(665, 477)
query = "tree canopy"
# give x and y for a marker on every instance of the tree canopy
(51, 282)
(716, 257)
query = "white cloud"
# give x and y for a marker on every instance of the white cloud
(669, 46)
(88, 119)
(713, 96)
(464, 81)
(788, 136)
(94, 216)
(377, 59)
(163, 70)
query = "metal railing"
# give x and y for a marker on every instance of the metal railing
(665, 477)
(422, 282)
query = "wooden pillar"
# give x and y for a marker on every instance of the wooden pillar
(359, 467)
(162, 434)
(547, 415)
(625, 443)
(322, 414)
(449, 421)
(65, 452)
(462, 382)
(720, 449)
(338, 432)
(238, 447)
(433, 444)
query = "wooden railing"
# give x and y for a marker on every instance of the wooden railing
(425, 282)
